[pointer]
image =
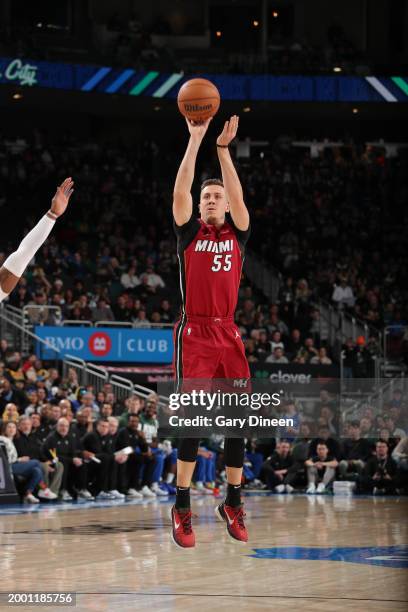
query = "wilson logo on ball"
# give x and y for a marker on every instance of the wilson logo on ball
(99, 344)
(193, 108)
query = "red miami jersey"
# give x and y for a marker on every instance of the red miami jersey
(210, 261)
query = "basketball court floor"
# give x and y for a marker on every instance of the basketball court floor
(305, 553)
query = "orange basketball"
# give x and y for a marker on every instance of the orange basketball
(198, 99)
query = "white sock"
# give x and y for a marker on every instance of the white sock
(17, 262)
(170, 478)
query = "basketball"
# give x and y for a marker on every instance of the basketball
(198, 99)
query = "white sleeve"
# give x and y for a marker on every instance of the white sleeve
(17, 262)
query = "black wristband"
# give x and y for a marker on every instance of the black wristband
(222, 146)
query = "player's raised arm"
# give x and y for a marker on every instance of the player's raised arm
(232, 184)
(14, 266)
(182, 199)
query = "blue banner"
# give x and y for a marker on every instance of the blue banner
(126, 81)
(106, 344)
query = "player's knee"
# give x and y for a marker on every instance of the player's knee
(188, 449)
(234, 450)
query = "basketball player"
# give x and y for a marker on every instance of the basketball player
(207, 342)
(13, 268)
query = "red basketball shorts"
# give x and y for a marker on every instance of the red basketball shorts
(208, 348)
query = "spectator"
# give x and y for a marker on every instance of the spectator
(321, 358)
(321, 469)
(102, 312)
(343, 294)
(129, 279)
(379, 474)
(10, 395)
(133, 405)
(29, 469)
(97, 450)
(10, 414)
(61, 446)
(276, 467)
(355, 452)
(129, 472)
(325, 436)
(277, 356)
(28, 444)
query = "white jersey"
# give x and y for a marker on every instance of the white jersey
(2, 295)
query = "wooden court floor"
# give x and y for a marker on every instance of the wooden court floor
(305, 553)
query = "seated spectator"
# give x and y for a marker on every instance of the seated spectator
(275, 468)
(325, 435)
(130, 472)
(321, 358)
(29, 469)
(343, 295)
(379, 474)
(88, 401)
(102, 312)
(121, 309)
(10, 395)
(61, 446)
(355, 452)
(321, 469)
(10, 414)
(152, 279)
(149, 426)
(129, 279)
(395, 432)
(294, 344)
(277, 356)
(98, 452)
(276, 341)
(28, 444)
(133, 405)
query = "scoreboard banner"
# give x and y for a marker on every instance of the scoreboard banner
(104, 79)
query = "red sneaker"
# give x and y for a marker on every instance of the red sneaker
(183, 534)
(234, 518)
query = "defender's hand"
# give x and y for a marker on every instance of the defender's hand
(229, 132)
(60, 200)
(198, 130)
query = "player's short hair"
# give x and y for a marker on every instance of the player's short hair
(211, 181)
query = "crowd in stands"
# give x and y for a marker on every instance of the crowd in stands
(67, 441)
(113, 258)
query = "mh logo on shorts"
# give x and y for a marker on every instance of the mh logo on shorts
(99, 344)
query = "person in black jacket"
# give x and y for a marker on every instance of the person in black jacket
(40, 426)
(11, 395)
(60, 445)
(28, 444)
(355, 452)
(130, 471)
(275, 468)
(323, 435)
(98, 445)
(379, 474)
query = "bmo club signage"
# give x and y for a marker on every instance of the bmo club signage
(105, 344)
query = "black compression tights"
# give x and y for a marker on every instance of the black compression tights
(234, 449)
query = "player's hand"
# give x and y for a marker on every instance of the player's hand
(60, 200)
(198, 130)
(229, 132)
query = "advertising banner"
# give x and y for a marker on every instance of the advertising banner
(106, 344)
